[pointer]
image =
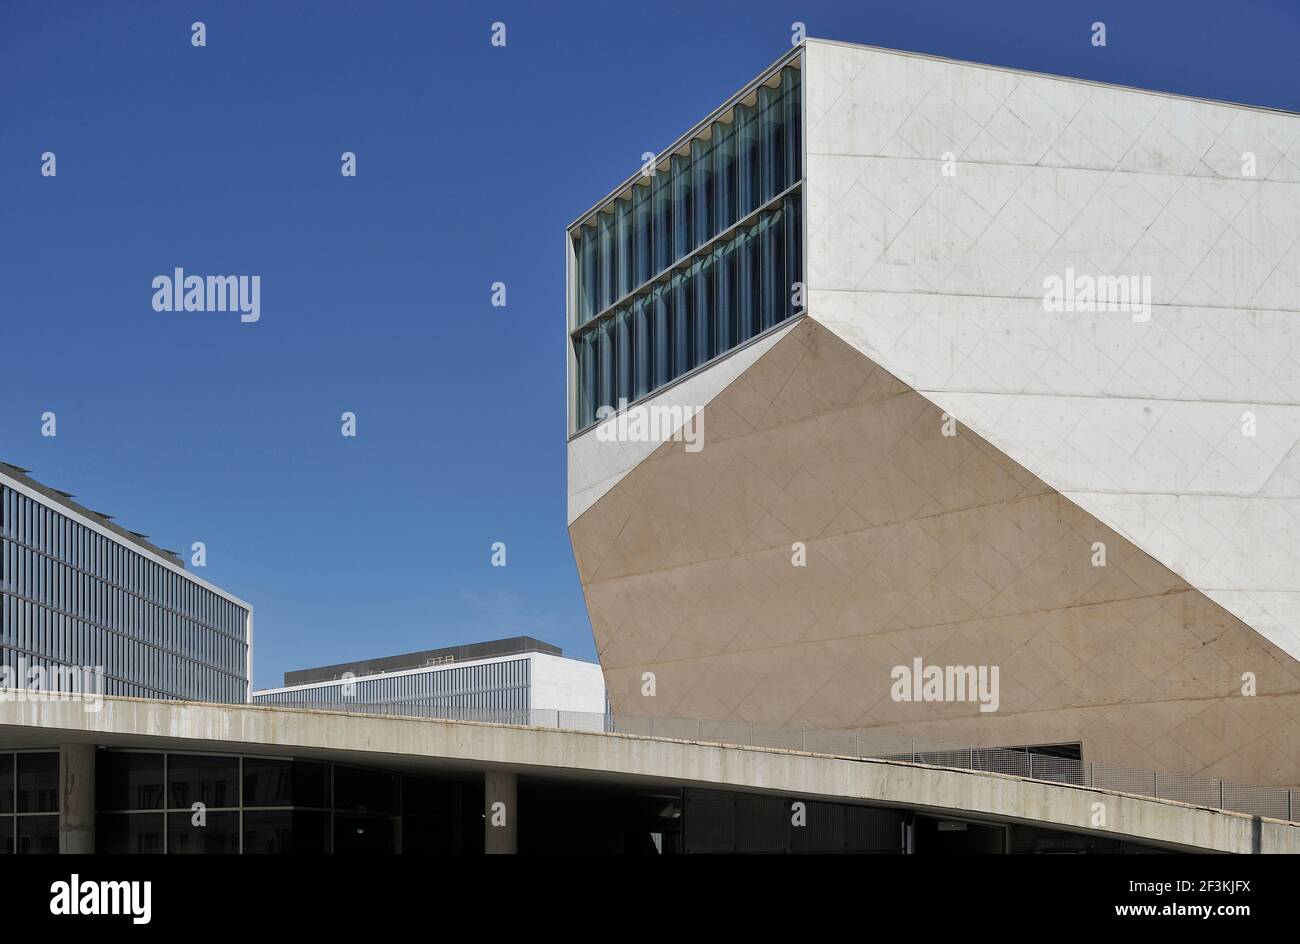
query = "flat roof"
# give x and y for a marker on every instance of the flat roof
(448, 655)
(1049, 75)
(22, 481)
(795, 54)
(65, 499)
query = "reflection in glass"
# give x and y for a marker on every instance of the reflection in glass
(129, 833)
(731, 292)
(125, 780)
(366, 791)
(7, 762)
(285, 832)
(38, 783)
(199, 778)
(285, 783)
(38, 835)
(214, 833)
(683, 314)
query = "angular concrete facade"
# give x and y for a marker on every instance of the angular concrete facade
(941, 280)
(953, 456)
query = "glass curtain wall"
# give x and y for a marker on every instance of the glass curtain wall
(69, 596)
(149, 802)
(695, 260)
(29, 802)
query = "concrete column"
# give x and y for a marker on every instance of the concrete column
(500, 813)
(76, 798)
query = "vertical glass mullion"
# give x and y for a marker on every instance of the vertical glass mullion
(766, 144)
(746, 153)
(604, 366)
(662, 347)
(623, 242)
(702, 305)
(724, 175)
(682, 230)
(793, 253)
(642, 240)
(661, 211)
(764, 272)
(791, 89)
(777, 144)
(680, 315)
(606, 265)
(586, 405)
(755, 278)
(701, 195)
(771, 270)
(723, 310)
(745, 306)
(622, 359)
(641, 340)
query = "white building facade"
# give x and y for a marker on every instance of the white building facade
(513, 687)
(1034, 407)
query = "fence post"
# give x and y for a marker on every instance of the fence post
(803, 739)
(1031, 765)
(857, 749)
(914, 750)
(1221, 794)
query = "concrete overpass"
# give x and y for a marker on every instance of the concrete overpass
(504, 752)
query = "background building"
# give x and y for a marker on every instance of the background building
(1100, 503)
(511, 680)
(76, 589)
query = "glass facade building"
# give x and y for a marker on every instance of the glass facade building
(509, 681)
(686, 263)
(29, 802)
(488, 689)
(146, 804)
(76, 590)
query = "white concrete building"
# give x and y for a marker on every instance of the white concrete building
(1033, 404)
(1177, 426)
(513, 680)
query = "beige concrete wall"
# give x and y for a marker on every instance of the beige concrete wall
(918, 545)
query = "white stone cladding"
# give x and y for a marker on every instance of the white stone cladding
(940, 280)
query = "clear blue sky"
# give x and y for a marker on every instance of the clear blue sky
(375, 290)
